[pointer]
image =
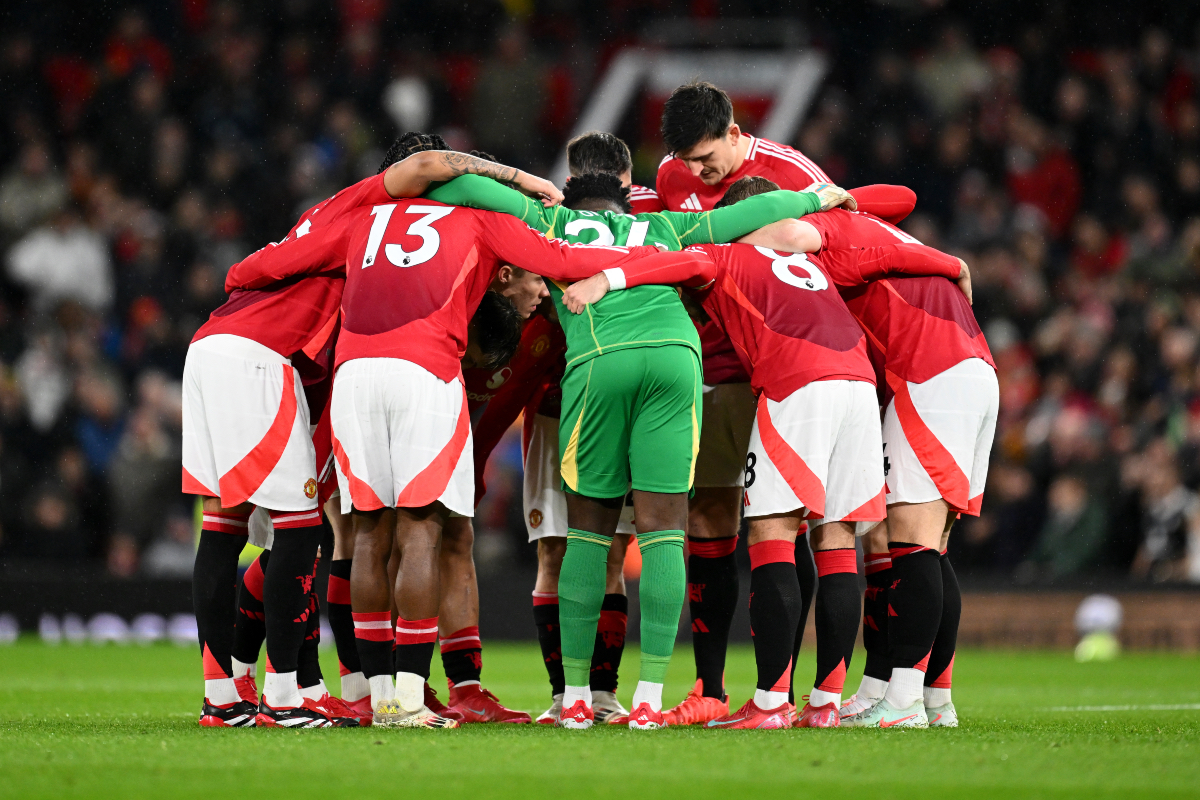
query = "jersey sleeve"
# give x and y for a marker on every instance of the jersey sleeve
(305, 251)
(476, 191)
(856, 266)
(889, 203)
(514, 243)
(694, 273)
(727, 224)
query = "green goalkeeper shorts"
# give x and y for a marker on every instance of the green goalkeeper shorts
(631, 417)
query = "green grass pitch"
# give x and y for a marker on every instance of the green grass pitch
(121, 722)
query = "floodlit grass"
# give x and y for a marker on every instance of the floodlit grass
(121, 722)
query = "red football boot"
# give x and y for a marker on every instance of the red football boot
(338, 709)
(578, 717)
(432, 702)
(696, 709)
(475, 704)
(751, 717)
(644, 718)
(361, 710)
(247, 689)
(825, 716)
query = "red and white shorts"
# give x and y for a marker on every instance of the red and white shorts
(245, 426)
(542, 494)
(937, 436)
(401, 437)
(818, 449)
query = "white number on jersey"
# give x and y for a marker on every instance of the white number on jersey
(604, 236)
(423, 227)
(781, 265)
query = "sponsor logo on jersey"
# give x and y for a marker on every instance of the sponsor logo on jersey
(692, 203)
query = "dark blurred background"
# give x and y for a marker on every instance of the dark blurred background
(146, 147)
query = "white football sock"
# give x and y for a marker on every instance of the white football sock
(935, 698)
(906, 687)
(281, 690)
(314, 692)
(767, 700)
(648, 692)
(221, 692)
(410, 691)
(466, 683)
(871, 688)
(819, 698)
(382, 689)
(241, 668)
(573, 694)
(355, 687)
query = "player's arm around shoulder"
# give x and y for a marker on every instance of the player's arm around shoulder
(693, 268)
(476, 191)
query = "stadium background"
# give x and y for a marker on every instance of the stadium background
(146, 147)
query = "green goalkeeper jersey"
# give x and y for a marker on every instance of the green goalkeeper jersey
(644, 316)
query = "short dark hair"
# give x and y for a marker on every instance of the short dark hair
(597, 151)
(497, 325)
(409, 143)
(742, 188)
(596, 186)
(694, 113)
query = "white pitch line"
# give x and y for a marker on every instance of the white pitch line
(1176, 707)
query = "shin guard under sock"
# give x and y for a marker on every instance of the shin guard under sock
(462, 656)
(914, 604)
(712, 600)
(581, 583)
(251, 627)
(375, 640)
(287, 582)
(341, 618)
(214, 593)
(941, 658)
(837, 613)
(806, 574)
(774, 610)
(545, 617)
(415, 639)
(875, 615)
(610, 643)
(660, 599)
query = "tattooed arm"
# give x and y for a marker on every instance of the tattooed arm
(412, 176)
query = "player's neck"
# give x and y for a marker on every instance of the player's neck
(743, 147)
(597, 204)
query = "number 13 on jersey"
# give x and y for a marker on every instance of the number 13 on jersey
(423, 227)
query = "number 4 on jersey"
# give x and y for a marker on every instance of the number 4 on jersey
(423, 227)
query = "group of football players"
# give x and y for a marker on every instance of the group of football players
(750, 342)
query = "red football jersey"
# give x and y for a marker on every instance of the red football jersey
(782, 310)
(918, 326)
(644, 201)
(296, 316)
(416, 271)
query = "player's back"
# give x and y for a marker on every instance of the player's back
(644, 316)
(919, 325)
(784, 315)
(415, 273)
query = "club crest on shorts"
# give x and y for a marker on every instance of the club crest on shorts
(310, 488)
(535, 518)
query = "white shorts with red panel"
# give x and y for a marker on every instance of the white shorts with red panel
(819, 450)
(401, 437)
(937, 436)
(545, 501)
(245, 426)
(724, 435)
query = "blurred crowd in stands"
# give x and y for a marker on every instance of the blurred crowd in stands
(143, 151)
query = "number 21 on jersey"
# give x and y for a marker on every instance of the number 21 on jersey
(423, 227)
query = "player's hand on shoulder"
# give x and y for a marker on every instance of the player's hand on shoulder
(833, 196)
(539, 188)
(964, 282)
(587, 291)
